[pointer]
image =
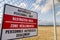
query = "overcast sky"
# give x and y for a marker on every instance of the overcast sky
(44, 8)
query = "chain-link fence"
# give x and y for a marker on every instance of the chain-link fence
(44, 32)
(11, 2)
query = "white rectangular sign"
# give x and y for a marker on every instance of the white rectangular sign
(18, 23)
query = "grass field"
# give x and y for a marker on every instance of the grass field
(44, 33)
(58, 32)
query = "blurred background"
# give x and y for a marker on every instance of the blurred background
(44, 8)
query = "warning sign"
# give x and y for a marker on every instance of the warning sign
(18, 23)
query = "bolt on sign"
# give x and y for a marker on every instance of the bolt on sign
(18, 23)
